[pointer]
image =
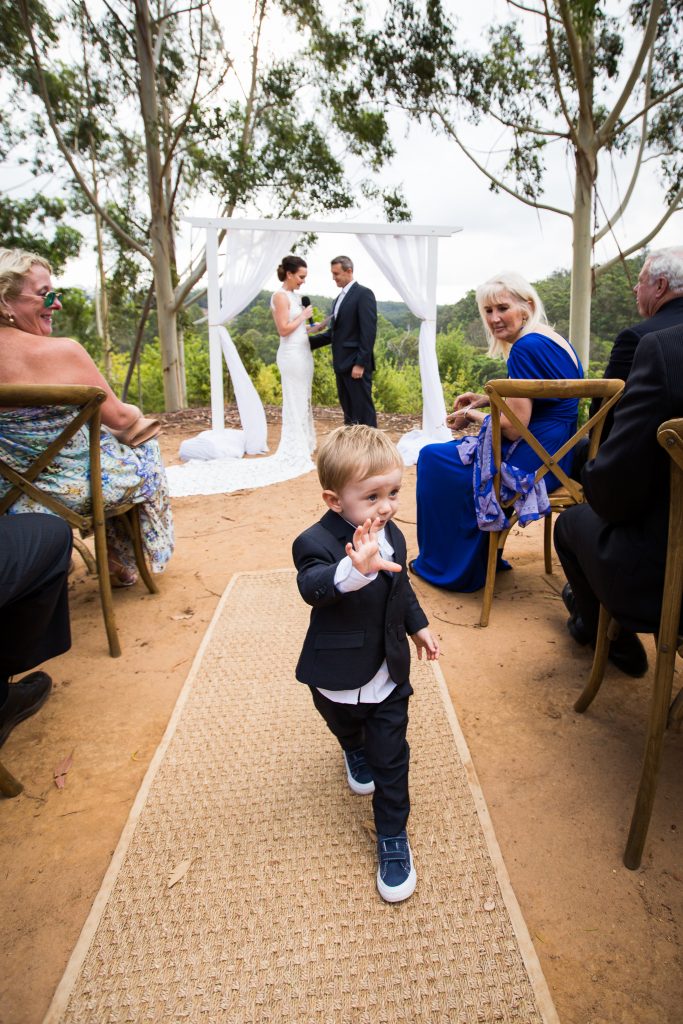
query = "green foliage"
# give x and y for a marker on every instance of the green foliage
(36, 224)
(268, 384)
(324, 381)
(397, 390)
(76, 319)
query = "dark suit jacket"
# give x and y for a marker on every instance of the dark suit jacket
(626, 343)
(352, 333)
(350, 635)
(627, 484)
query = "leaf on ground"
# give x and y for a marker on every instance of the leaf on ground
(179, 872)
(59, 774)
(369, 827)
(187, 614)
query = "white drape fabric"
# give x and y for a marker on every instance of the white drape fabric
(250, 259)
(404, 261)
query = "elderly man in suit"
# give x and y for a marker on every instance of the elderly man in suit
(659, 297)
(352, 336)
(613, 549)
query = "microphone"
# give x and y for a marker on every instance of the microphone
(305, 301)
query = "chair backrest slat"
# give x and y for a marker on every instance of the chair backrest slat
(87, 402)
(608, 390)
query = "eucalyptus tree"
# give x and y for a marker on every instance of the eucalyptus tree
(165, 116)
(603, 80)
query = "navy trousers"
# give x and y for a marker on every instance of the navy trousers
(381, 730)
(35, 552)
(355, 398)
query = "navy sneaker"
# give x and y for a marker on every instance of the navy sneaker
(396, 875)
(358, 773)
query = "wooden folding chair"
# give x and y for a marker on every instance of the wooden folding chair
(87, 403)
(662, 711)
(9, 786)
(571, 491)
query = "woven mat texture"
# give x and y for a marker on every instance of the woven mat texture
(274, 916)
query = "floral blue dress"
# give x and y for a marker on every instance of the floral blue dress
(453, 547)
(133, 474)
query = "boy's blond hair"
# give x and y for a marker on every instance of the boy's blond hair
(355, 453)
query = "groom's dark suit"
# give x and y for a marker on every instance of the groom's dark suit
(613, 548)
(352, 336)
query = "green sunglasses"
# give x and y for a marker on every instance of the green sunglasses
(51, 298)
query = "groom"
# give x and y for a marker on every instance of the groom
(352, 334)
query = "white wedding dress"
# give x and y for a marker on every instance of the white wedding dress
(297, 438)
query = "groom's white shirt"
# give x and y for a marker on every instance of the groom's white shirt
(340, 297)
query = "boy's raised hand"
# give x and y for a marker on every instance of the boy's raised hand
(424, 640)
(364, 550)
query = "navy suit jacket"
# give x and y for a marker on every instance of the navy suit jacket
(350, 635)
(352, 333)
(627, 484)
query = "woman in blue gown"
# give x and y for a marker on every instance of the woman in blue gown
(453, 550)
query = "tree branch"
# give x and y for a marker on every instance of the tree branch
(652, 103)
(674, 207)
(605, 130)
(555, 72)
(64, 149)
(532, 10)
(492, 178)
(639, 160)
(576, 57)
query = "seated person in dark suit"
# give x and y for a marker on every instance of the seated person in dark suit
(35, 552)
(659, 297)
(613, 549)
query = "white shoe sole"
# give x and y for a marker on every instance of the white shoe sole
(396, 893)
(359, 788)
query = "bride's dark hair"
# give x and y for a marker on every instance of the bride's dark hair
(289, 265)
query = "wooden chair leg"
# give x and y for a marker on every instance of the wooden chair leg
(84, 552)
(105, 589)
(548, 543)
(490, 579)
(133, 521)
(659, 710)
(9, 786)
(599, 663)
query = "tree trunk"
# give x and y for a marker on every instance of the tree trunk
(160, 227)
(102, 300)
(582, 246)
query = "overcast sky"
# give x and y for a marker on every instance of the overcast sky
(443, 187)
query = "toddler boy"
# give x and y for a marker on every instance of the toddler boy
(355, 657)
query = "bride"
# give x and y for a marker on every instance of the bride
(297, 438)
(295, 361)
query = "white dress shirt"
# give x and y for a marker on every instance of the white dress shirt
(346, 580)
(340, 297)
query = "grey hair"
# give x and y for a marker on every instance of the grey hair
(667, 263)
(344, 262)
(512, 283)
(15, 264)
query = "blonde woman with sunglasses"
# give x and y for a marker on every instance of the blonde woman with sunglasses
(29, 354)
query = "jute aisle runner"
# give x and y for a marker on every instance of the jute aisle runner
(243, 888)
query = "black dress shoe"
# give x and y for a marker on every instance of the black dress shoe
(628, 654)
(578, 631)
(568, 599)
(23, 700)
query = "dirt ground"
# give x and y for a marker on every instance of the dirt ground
(559, 786)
